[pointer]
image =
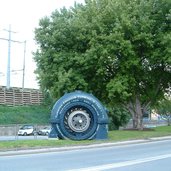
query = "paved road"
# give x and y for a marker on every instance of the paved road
(149, 156)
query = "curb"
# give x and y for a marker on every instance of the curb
(80, 147)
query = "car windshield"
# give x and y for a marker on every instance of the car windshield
(46, 128)
(26, 127)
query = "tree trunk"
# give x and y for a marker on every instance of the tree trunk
(168, 121)
(137, 114)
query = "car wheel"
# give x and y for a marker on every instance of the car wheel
(25, 134)
(35, 133)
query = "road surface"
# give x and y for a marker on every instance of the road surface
(147, 156)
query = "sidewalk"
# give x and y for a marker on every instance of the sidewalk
(59, 149)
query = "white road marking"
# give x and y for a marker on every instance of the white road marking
(122, 164)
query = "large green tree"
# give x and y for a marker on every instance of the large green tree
(118, 50)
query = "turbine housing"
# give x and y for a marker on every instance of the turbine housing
(79, 116)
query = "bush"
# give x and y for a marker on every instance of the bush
(118, 117)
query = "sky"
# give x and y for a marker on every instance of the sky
(23, 17)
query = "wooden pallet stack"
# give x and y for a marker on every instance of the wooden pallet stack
(18, 96)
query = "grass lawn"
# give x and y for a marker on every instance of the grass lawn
(114, 136)
(129, 135)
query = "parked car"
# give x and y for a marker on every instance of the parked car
(27, 130)
(45, 131)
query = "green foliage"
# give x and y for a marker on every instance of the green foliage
(118, 50)
(164, 109)
(118, 117)
(24, 114)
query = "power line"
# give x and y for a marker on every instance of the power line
(15, 41)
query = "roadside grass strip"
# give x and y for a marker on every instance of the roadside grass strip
(113, 136)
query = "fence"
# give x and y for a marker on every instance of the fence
(147, 123)
(10, 132)
(18, 96)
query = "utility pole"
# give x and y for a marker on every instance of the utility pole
(24, 64)
(9, 56)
